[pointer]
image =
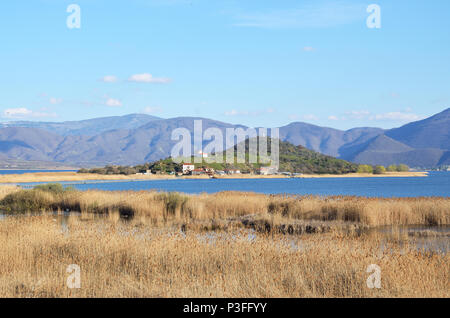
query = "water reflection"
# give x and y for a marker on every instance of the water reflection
(421, 238)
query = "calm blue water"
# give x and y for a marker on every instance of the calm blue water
(436, 184)
(29, 171)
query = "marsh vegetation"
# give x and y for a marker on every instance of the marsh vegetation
(228, 244)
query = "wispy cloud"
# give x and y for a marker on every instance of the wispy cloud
(22, 112)
(151, 110)
(112, 102)
(234, 112)
(310, 117)
(166, 2)
(318, 15)
(307, 117)
(357, 114)
(55, 101)
(308, 49)
(148, 78)
(402, 116)
(109, 79)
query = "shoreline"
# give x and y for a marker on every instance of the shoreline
(74, 176)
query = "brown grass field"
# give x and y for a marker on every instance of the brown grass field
(179, 245)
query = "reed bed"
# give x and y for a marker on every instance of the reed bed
(36, 253)
(161, 208)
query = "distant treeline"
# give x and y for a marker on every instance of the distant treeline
(382, 169)
(161, 166)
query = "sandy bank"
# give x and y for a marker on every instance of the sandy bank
(73, 176)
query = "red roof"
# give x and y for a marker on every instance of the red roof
(188, 164)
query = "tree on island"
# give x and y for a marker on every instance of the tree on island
(379, 170)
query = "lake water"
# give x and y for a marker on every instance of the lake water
(436, 184)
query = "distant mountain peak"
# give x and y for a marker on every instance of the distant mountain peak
(138, 138)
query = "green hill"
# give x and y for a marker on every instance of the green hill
(302, 160)
(295, 159)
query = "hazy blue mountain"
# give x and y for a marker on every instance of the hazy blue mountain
(28, 143)
(88, 127)
(432, 132)
(445, 159)
(386, 151)
(147, 143)
(423, 143)
(325, 140)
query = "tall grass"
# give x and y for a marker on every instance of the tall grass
(35, 254)
(161, 207)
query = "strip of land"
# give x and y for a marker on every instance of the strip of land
(73, 176)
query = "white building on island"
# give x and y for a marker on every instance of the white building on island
(188, 168)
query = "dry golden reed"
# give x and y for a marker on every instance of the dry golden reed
(163, 207)
(139, 261)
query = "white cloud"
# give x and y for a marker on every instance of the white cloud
(408, 109)
(357, 114)
(152, 110)
(402, 116)
(55, 101)
(148, 78)
(398, 116)
(235, 112)
(17, 112)
(310, 117)
(394, 95)
(308, 49)
(112, 102)
(109, 79)
(23, 112)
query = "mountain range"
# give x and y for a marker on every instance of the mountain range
(138, 138)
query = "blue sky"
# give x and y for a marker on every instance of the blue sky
(254, 62)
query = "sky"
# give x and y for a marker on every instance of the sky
(252, 62)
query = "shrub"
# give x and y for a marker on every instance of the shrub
(392, 168)
(173, 201)
(365, 169)
(55, 188)
(27, 201)
(379, 170)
